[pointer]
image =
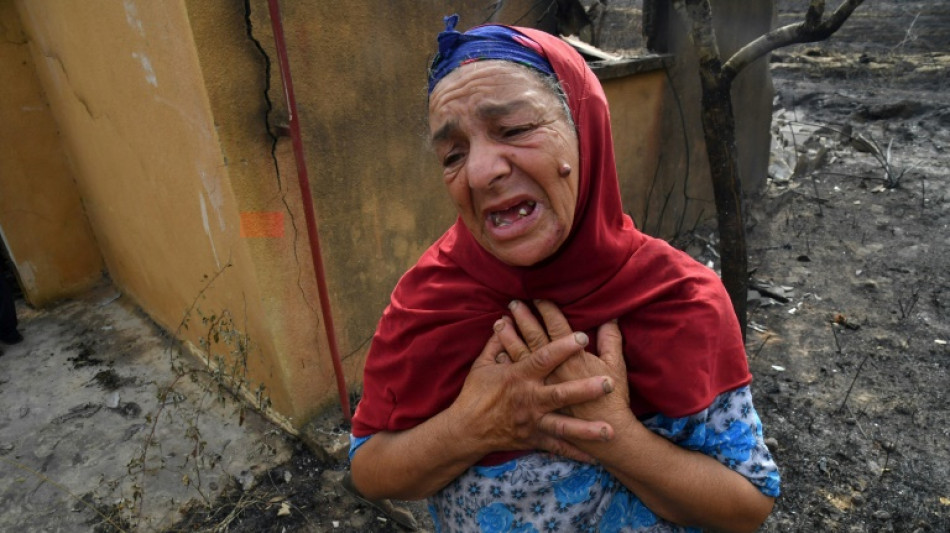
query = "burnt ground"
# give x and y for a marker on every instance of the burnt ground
(851, 237)
(852, 373)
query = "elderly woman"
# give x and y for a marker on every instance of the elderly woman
(545, 366)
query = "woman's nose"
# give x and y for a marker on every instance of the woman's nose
(487, 163)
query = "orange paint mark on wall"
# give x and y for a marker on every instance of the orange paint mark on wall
(268, 224)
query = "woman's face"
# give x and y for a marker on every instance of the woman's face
(504, 143)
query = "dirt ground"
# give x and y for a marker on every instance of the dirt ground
(851, 239)
(852, 373)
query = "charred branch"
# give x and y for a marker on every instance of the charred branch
(812, 29)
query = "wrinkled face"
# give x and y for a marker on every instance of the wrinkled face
(504, 142)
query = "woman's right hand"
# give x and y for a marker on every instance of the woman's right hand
(507, 405)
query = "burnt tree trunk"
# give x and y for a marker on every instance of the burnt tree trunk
(719, 131)
(719, 126)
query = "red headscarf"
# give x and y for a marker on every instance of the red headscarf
(681, 339)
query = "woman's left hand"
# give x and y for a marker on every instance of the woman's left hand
(615, 406)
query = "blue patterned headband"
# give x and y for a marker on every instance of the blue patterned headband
(481, 43)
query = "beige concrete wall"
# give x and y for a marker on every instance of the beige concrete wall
(42, 222)
(128, 96)
(637, 104)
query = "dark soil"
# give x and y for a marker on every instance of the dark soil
(852, 371)
(852, 374)
(308, 488)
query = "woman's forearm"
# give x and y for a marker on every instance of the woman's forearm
(680, 485)
(415, 463)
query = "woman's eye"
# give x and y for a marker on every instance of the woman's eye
(517, 130)
(451, 159)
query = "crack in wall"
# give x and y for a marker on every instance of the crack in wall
(249, 28)
(79, 98)
(20, 42)
(272, 135)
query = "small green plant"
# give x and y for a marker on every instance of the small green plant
(813, 152)
(220, 376)
(884, 157)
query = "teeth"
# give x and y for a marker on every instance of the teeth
(523, 211)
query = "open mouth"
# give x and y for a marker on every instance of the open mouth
(513, 214)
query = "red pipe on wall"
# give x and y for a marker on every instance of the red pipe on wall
(304, 181)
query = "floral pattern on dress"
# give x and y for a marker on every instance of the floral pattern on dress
(539, 492)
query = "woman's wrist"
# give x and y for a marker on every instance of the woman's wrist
(469, 434)
(626, 432)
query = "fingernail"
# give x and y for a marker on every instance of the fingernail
(581, 338)
(513, 305)
(608, 386)
(499, 325)
(604, 435)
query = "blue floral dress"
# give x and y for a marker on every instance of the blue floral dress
(539, 492)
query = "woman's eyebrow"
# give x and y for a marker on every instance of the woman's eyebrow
(445, 131)
(484, 112)
(490, 111)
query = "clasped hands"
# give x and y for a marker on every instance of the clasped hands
(536, 387)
